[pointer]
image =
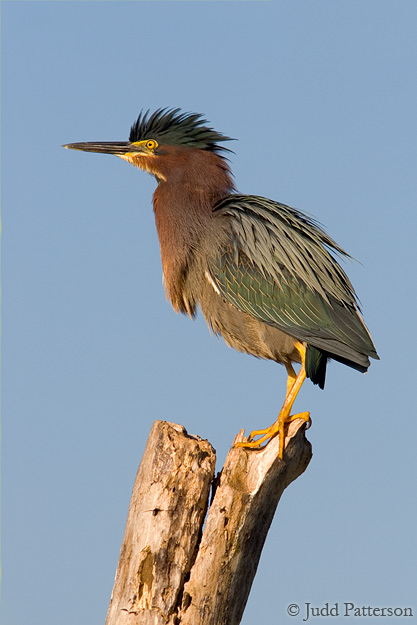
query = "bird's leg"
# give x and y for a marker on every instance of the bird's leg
(284, 415)
(292, 376)
(294, 383)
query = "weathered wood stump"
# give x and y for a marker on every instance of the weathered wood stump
(170, 571)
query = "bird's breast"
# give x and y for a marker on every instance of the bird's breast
(182, 220)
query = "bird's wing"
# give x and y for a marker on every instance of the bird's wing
(279, 266)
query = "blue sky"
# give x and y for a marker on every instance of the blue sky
(322, 97)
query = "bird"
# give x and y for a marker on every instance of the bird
(266, 276)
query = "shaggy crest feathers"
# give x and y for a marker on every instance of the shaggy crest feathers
(171, 127)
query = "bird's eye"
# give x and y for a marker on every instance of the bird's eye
(151, 144)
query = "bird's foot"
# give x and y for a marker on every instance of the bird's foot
(276, 428)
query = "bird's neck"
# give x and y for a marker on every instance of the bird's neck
(183, 205)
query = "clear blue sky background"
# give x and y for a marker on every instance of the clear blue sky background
(323, 97)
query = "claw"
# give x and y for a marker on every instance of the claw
(294, 384)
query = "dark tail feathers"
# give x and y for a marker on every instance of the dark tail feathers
(316, 363)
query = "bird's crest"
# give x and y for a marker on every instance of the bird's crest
(171, 127)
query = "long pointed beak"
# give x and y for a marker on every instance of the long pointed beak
(104, 147)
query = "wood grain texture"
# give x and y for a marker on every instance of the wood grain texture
(171, 572)
(165, 518)
(238, 521)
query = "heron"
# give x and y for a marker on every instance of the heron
(266, 276)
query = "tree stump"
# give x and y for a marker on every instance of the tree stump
(172, 572)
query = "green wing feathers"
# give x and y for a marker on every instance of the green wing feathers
(278, 266)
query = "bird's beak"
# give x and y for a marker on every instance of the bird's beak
(119, 148)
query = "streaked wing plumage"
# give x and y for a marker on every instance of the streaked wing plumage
(279, 267)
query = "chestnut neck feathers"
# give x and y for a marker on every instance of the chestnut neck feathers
(190, 183)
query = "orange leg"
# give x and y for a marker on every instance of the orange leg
(294, 383)
(292, 376)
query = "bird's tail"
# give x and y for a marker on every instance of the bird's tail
(316, 363)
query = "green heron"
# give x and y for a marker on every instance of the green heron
(264, 274)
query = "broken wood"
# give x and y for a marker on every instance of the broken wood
(172, 572)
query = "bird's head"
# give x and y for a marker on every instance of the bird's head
(162, 142)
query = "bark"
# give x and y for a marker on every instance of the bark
(166, 513)
(170, 571)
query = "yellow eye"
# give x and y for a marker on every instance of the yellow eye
(151, 144)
